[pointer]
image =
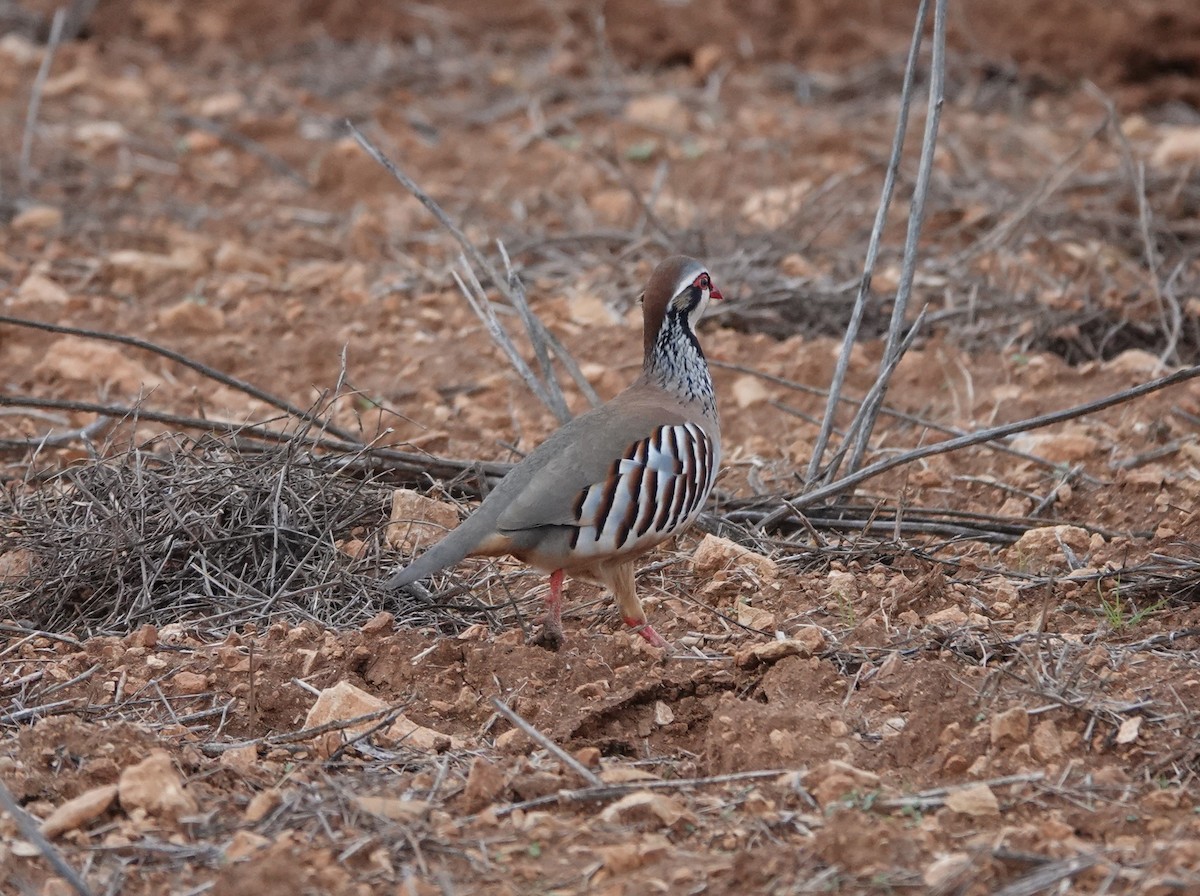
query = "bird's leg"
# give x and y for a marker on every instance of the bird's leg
(619, 579)
(646, 630)
(551, 636)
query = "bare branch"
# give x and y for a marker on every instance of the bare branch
(397, 461)
(52, 439)
(863, 424)
(30, 831)
(864, 421)
(914, 419)
(35, 97)
(534, 330)
(473, 291)
(515, 296)
(864, 284)
(203, 369)
(985, 435)
(559, 753)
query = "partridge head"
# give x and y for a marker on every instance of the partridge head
(615, 481)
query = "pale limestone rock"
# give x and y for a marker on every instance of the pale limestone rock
(485, 782)
(1178, 146)
(945, 870)
(37, 289)
(613, 773)
(748, 391)
(243, 759)
(1046, 742)
(262, 804)
(186, 682)
(832, 780)
(950, 616)
(341, 702)
(755, 617)
(1011, 726)
(37, 218)
(97, 136)
(417, 521)
(393, 808)
(1128, 732)
(404, 731)
(659, 110)
(243, 844)
(154, 786)
(190, 316)
(978, 800)
(1043, 548)
(1067, 447)
(715, 553)
(221, 105)
(154, 267)
(77, 812)
(807, 642)
(772, 207)
(647, 807)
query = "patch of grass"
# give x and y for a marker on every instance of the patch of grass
(1121, 613)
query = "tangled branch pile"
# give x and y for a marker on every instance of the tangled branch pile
(202, 531)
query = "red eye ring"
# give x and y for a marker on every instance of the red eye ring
(705, 282)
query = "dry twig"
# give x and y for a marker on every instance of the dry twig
(509, 286)
(204, 532)
(35, 97)
(205, 370)
(30, 831)
(864, 286)
(985, 435)
(864, 423)
(602, 791)
(558, 752)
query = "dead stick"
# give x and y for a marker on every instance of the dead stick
(563, 756)
(864, 283)
(510, 287)
(203, 369)
(896, 344)
(1042, 879)
(35, 96)
(984, 435)
(399, 460)
(937, 795)
(31, 832)
(610, 791)
(303, 734)
(904, 416)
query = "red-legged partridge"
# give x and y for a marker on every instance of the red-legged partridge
(615, 481)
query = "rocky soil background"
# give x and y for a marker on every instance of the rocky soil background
(977, 676)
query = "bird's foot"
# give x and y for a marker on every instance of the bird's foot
(646, 630)
(550, 635)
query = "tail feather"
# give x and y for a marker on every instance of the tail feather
(454, 547)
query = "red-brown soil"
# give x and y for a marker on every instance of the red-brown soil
(954, 713)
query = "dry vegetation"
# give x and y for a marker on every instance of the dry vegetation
(229, 336)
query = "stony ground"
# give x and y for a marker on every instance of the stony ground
(978, 679)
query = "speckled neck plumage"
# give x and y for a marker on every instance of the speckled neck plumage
(676, 364)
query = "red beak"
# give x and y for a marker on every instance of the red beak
(714, 293)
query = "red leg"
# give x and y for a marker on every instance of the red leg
(551, 635)
(646, 630)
